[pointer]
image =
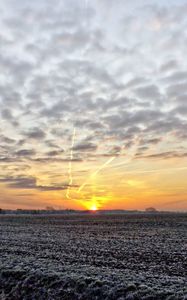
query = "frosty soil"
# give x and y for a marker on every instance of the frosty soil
(93, 257)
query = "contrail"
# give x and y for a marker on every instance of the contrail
(173, 202)
(70, 166)
(96, 172)
(156, 170)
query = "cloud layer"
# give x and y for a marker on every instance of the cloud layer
(117, 73)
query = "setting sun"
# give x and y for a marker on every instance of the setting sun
(93, 207)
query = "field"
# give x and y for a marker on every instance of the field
(129, 256)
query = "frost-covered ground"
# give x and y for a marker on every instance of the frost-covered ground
(93, 257)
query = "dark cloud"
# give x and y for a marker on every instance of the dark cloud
(85, 147)
(179, 76)
(6, 114)
(52, 159)
(150, 92)
(25, 152)
(8, 160)
(169, 66)
(150, 141)
(114, 151)
(177, 89)
(51, 144)
(35, 134)
(181, 110)
(30, 183)
(6, 140)
(54, 152)
(164, 155)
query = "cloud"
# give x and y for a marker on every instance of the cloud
(150, 92)
(55, 152)
(151, 141)
(169, 66)
(174, 202)
(121, 82)
(85, 147)
(30, 183)
(6, 114)
(177, 89)
(163, 155)
(8, 160)
(25, 152)
(52, 159)
(6, 140)
(35, 134)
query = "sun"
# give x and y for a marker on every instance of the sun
(93, 207)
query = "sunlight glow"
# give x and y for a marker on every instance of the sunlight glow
(93, 207)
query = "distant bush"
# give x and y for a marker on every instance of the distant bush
(151, 209)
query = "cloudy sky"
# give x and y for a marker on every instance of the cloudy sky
(93, 104)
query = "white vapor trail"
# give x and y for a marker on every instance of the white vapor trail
(70, 166)
(156, 170)
(96, 172)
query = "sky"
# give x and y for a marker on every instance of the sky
(93, 104)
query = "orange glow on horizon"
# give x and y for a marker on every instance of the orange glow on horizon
(93, 207)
